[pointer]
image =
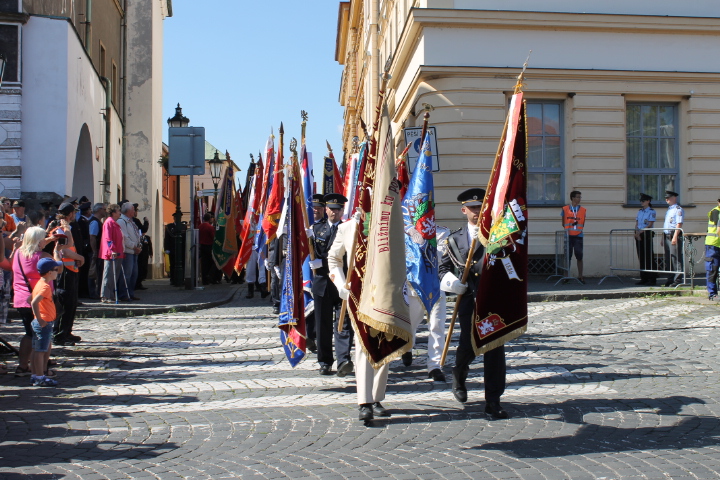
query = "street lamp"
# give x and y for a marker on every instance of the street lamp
(179, 120)
(216, 166)
(178, 268)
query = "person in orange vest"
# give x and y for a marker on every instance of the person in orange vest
(573, 221)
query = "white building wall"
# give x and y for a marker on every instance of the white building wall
(695, 8)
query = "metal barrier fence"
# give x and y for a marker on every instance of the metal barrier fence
(650, 253)
(562, 258)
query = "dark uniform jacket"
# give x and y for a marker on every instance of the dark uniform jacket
(455, 256)
(323, 240)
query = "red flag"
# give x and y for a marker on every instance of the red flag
(338, 184)
(273, 210)
(249, 226)
(501, 303)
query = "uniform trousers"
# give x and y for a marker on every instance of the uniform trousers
(673, 257)
(324, 302)
(436, 327)
(371, 383)
(712, 262)
(494, 367)
(253, 271)
(344, 339)
(68, 296)
(646, 256)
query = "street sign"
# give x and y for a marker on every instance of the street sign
(187, 150)
(412, 135)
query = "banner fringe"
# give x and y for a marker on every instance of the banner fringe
(498, 342)
(383, 327)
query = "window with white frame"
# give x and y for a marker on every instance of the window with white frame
(652, 150)
(544, 157)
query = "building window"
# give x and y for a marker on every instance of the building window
(115, 86)
(103, 61)
(544, 162)
(652, 150)
(10, 48)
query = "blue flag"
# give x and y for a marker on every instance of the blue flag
(307, 178)
(421, 256)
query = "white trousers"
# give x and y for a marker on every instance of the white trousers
(253, 267)
(436, 326)
(371, 383)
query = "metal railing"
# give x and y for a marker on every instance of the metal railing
(562, 258)
(652, 253)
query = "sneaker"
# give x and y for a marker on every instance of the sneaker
(44, 382)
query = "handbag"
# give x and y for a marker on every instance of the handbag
(59, 308)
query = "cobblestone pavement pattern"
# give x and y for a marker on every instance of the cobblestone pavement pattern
(603, 389)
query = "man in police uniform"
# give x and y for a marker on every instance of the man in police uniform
(712, 251)
(451, 270)
(325, 294)
(673, 239)
(645, 218)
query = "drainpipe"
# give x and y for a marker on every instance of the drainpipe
(374, 63)
(108, 110)
(88, 26)
(124, 93)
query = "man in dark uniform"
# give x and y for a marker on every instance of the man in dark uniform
(325, 294)
(276, 252)
(451, 270)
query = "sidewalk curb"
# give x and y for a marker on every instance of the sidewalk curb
(113, 312)
(572, 296)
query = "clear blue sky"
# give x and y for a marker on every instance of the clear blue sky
(239, 67)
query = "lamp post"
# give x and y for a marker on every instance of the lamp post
(178, 271)
(216, 166)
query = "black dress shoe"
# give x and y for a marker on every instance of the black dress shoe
(344, 368)
(74, 338)
(276, 310)
(437, 375)
(366, 412)
(379, 411)
(264, 293)
(407, 359)
(325, 370)
(459, 390)
(495, 410)
(63, 342)
(312, 345)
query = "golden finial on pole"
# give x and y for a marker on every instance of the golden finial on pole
(329, 147)
(303, 124)
(521, 78)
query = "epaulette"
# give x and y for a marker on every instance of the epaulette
(453, 232)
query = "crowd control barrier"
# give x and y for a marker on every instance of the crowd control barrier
(652, 254)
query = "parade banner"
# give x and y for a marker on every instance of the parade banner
(328, 184)
(350, 185)
(225, 244)
(418, 209)
(292, 303)
(382, 322)
(265, 192)
(402, 171)
(307, 182)
(249, 226)
(273, 209)
(501, 303)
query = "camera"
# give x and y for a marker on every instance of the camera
(62, 241)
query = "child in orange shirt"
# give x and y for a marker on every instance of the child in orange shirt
(43, 308)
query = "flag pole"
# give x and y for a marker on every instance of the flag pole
(468, 262)
(282, 146)
(296, 173)
(378, 113)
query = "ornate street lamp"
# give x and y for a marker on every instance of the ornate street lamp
(179, 120)
(3, 61)
(216, 166)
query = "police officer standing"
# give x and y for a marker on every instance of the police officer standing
(451, 269)
(645, 218)
(673, 239)
(318, 207)
(325, 294)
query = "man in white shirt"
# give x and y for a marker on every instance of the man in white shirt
(133, 246)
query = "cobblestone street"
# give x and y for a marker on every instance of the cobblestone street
(606, 389)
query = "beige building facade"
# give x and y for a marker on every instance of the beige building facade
(623, 98)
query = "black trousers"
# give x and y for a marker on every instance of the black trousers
(206, 264)
(83, 285)
(324, 313)
(494, 367)
(68, 296)
(646, 256)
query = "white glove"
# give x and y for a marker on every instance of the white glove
(277, 271)
(315, 264)
(310, 233)
(357, 216)
(266, 264)
(344, 293)
(451, 284)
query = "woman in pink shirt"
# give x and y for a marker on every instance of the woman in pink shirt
(24, 266)
(111, 248)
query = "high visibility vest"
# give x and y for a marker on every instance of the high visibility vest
(69, 263)
(712, 236)
(573, 222)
